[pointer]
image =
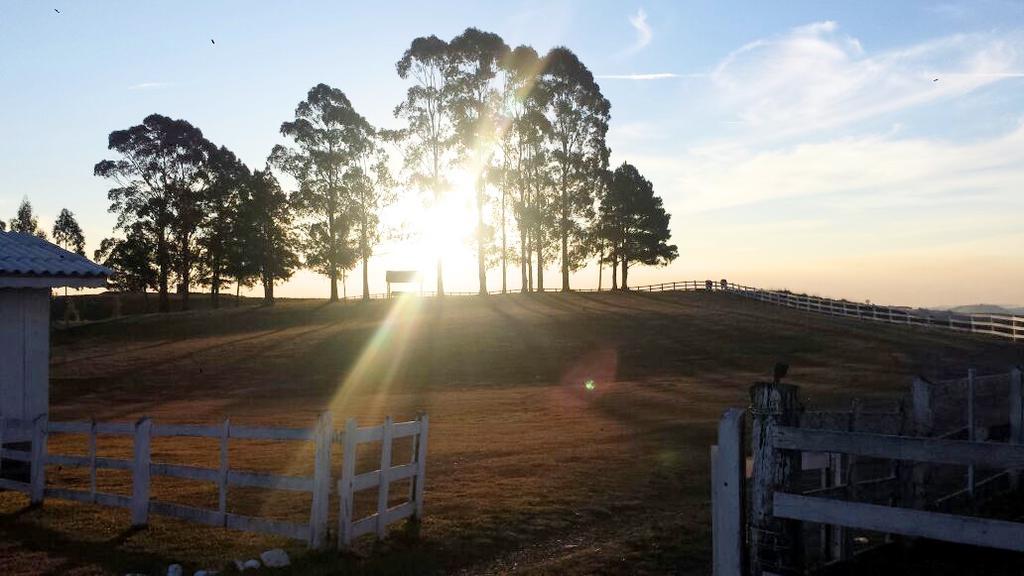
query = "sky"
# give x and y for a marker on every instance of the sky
(866, 150)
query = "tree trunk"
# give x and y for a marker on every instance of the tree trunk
(600, 268)
(366, 278)
(440, 277)
(523, 261)
(615, 273)
(481, 257)
(565, 243)
(164, 263)
(540, 263)
(215, 290)
(238, 292)
(334, 283)
(625, 274)
(364, 250)
(268, 290)
(504, 246)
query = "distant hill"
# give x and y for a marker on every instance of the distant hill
(986, 309)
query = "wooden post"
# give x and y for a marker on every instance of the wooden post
(37, 475)
(837, 534)
(348, 472)
(1016, 418)
(970, 427)
(92, 459)
(140, 473)
(419, 480)
(923, 419)
(222, 472)
(727, 476)
(775, 544)
(3, 427)
(384, 487)
(318, 514)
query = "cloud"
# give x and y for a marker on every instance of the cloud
(644, 35)
(814, 77)
(650, 76)
(149, 85)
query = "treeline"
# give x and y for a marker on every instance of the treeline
(529, 128)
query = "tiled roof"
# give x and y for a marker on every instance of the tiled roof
(27, 255)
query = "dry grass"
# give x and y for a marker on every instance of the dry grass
(527, 470)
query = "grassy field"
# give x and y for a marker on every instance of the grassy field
(528, 470)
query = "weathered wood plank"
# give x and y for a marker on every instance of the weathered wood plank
(384, 487)
(932, 450)
(319, 511)
(192, 430)
(17, 455)
(37, 474)
(727, 520)
(420, 479)
(345, 484)
(255, 433)
(16, 486)
(140, 473)
(904, 521)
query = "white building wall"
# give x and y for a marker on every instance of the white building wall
(24, 352)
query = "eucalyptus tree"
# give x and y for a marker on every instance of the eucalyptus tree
(25, 221)
(474, 59)
(370, 188)
(68, 234)
(131, 258)
(265, 233)
(220, 207)
(428, 138)
(579, 115)
(329, 135)
(159, 179)
(634, 222)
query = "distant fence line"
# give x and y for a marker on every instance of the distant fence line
(1002, 325)
(319, 485)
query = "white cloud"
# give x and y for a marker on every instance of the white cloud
(149, 85)
(815, 77)
(649, 76)
(644, 34)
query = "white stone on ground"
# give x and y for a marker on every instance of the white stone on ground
(174, 570)
(253, 563)
(275, 558)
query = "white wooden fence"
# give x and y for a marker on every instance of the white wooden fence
(315, 532)
(761, 534)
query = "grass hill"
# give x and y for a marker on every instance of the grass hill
(528, 467)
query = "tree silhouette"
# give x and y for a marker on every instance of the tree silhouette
(68, 234)
(634, 223)
(25, 221)
(265, 232)
(474, 57)
(370, 188)
(131, 259)
(220, 203)
(579, 115)
(329, 136)
(160, 177)
(428, 138)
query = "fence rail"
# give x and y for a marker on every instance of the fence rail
(315, 532)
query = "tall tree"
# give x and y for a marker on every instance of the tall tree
(475, 58)
(634, 223)
(228, 176)
(25, 221)
(160, 178)
(329, 135)
(524, 127)
(68, 234)
(579, 115)
(428, 137)
(267, 239)
(131, 258)
(370, 188)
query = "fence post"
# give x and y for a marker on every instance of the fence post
(384, 487)
(37, 476)
(3, 428)
(419, 480)
(775, 543)
(1016, 418)
(140, 473)
(318, 514)
(727, 477)
(923, 423)
(348, 472)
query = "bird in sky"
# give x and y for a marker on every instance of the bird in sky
(935, 79)
(211, 41)
(57, 11)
